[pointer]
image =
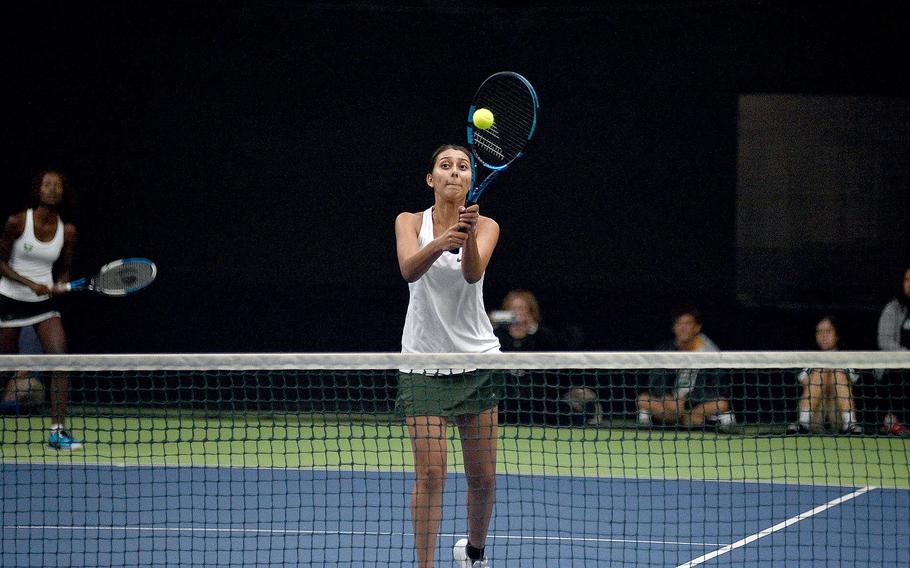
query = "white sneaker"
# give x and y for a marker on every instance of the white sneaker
(460, 553)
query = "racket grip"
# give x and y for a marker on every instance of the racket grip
(467, 204)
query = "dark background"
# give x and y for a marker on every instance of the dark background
(260, 151)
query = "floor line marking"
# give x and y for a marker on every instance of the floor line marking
(782, 525)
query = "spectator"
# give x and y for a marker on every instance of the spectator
(534, 397)
(687, 397)
(519, 327)
(894, 335)
(822, 386)
(23, 393)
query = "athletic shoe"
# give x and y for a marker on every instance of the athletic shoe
(896, 429)
(852, 429)
(797, 428)
(61, 440)
(460, 552)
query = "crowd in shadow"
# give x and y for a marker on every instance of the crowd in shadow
(809, 400)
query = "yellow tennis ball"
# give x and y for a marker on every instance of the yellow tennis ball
(483, 118)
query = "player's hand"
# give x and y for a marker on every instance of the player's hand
(468, 217)
(59, 288)
(40, 289)
(455, 236)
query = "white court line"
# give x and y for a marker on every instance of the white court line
(191, 530)
(782, 525)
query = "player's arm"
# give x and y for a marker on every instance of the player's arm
(12, 230)
(65, 263)
(414, 260)
(482, 236)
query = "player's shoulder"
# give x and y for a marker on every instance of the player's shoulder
(488, 221)
(408, 218)
(15, 223)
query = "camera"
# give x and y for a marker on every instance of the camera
(502, 317)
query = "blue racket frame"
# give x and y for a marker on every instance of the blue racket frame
(477, 190)
(89, 284)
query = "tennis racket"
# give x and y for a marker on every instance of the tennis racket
(513, 102)
(118, 278)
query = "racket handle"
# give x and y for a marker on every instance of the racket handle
(466, 205)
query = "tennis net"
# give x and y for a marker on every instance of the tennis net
(604, 459)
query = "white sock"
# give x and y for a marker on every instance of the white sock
(805, 417)
(644, 418)
(848, 419)
(726, 419)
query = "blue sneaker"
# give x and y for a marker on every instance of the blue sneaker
(61, 440)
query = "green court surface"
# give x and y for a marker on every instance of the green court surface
(353, 442)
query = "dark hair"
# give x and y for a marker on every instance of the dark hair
(442, 149)
(686, 310)
(67, 205)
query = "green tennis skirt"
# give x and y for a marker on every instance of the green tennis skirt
(447, 395)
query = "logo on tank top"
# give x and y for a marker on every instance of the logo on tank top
(28, 247)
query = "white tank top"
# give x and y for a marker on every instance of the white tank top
(32, 259)
(445, 313)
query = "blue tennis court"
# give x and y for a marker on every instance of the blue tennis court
(103, 515)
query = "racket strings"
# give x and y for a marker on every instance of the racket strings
(513, 108)
(125, 277)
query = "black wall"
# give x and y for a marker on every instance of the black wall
(260, 151)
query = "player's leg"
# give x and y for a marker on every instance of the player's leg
(811, 399)
(843, 400)
(53, 341)
(9, 340)
(718, 409)
(428, 442)
(479, 439)
(665, 409)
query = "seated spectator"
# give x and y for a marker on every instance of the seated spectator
(518, 325)
(894, 335)
(585, 406)
(23, 394)
(822, 386)
(532, 397)
(688, 397)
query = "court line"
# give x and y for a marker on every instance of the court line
(782, 525)
(192, 530)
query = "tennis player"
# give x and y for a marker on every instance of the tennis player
(36, 245)
(446, 315)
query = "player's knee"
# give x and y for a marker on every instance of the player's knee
(430, 479)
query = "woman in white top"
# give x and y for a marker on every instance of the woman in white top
(36, 250)
(446, 314)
